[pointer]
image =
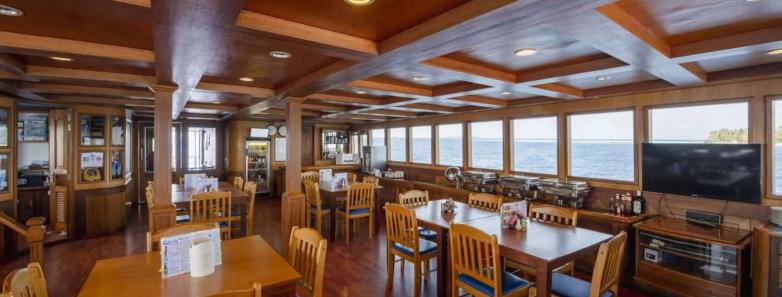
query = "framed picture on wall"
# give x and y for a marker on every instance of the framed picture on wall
(91, 167)
(33, 127)
(116, 165)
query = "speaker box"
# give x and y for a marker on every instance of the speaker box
(703, 218)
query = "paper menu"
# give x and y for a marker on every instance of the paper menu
(325, 175)
(175, 251)
(191, 179)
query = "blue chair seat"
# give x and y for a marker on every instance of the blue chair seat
(424, 247)
(568, 286)
(510, 283)
(426, 233)
(236, 213)
(356, 211)
(224, 225)
(182, 218)
(322, 207)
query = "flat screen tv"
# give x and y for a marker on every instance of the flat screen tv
(720, 171)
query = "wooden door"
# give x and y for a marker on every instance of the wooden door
(146, 156)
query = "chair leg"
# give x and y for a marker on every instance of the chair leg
(417, 280)
(390, 258)
(347, 229)
(371, 226)
(318, 217)
(426, 270)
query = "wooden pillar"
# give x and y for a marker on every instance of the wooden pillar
(293, 202)
(163, 212)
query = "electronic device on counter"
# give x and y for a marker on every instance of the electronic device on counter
(519, 186)
(652, 255)
(32, 178)
(479, 181)
(347, 159)
(565, 193)
(703, 218)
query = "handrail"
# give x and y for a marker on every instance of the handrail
(34, 232)
(12, 223)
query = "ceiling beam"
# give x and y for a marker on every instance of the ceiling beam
(75, 47)
(762, 40)
(323, 107)
(583, 69)
(350, 99)
(86, 90)
(392, 89)
(13, 66)
(68, 73)
(391, 113)
(426, 107)
(482, 101)
(225, 88)
(15, 90)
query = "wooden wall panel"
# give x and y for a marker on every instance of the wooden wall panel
(100, 211)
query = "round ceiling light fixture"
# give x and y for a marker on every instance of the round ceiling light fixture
(359, 2)
(61, 59)
(246, 79)
(506, 93)
(10, 11)
(603, 78)
(419, 77)
(524, 52)
(360, 92)
(775, 52)
(280, 54)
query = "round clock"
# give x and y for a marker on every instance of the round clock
(283, 130)
(272, 130)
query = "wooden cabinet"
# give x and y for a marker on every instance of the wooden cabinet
(767, 255)
(33, 202)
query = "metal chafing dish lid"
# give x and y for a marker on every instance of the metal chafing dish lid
(570, 184)
(479, 174)
(519, 178)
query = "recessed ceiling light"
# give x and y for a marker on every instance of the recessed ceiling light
(525, 52)
(359, 2)
(419, 77)
(506, 93)
(246, 79)
(63, 59)
(603, 78)
(10, 11)
(280, 54)
(360, 92)
(775, 52)
(754, 0)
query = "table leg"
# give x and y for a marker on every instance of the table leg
(543, 283)
(333, 220)
(378, 209)
(443, 271)
(243, 221)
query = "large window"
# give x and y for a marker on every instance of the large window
(535, 145)
(378, 137)
(398, 144)
(711, 123)
(601, 145)
(449, 145)
(201, 148)
(486, 145)
(422, 144)
(777, 148)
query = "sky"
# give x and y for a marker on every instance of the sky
(695, 122)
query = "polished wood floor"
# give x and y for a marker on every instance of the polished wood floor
(357, 269)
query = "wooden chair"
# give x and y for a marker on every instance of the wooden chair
(475, 262)
(307, 254)
(371, 180)
(238, 182)
(359, 204)
(250, 187)
(553, 214)
(351, 177)
(154, 238)
(485, 201)
(310, 175)
(26, 282)
(315, 206)
(254, 292)
(605, 275)
(403, 242)
(181, 216)
(413, 198)
(212, 208)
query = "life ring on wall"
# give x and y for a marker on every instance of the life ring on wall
(91, 175)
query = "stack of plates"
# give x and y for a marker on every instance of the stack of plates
(776, 215)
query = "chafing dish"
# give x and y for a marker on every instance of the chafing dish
(479, 181)
(563, 192)
(519, 186)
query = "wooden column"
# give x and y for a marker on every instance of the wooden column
(293, 202)
(163, 212)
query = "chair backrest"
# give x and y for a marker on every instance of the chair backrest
(351, 177)
(250, 187)
(310, 175)
(211, 207)
(312, 191)
(154, 238)
(360, 195)
(254, 292)
(608, 266)
(475, 254)
(413, 197)
(307, 254)
(239, 182)
(371, 180)
(26, 282)
(485, 201)
(401, 226)
(554, 214)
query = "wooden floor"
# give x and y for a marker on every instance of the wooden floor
(357, 269)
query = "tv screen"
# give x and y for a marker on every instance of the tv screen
(721, 171)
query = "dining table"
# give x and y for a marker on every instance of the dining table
(542, 245)
(180, 197)
(333, 195)
(245, 261)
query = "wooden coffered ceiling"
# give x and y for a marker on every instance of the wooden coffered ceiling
(389, 60)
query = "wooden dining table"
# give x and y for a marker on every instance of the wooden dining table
(180, 196)
(333, 195)
(245, 260)
(544, 246)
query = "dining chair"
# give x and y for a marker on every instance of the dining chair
(154, 238)
(307, 254)
(238, 182)
(358, 205)
(250, 187)
(414, 198)
(402, 241)
(315, 205)
(26, 282)
(212, 208)
(149, 197)
(255, 291)
(351, 177)
(552, 214)
(475, 262)
(310, 175)
(605, 275)
(485, 201)
(374, 180)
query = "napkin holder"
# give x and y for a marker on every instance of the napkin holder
(202, 259)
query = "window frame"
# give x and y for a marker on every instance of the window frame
(512, 152)
(406, 142)
(431, 144)
(216, 148)
(636, 148)
(769, 154)
(470, 165)
(436, 139)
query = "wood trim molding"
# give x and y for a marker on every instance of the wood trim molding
(75, 47)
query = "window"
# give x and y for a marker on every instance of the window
(201, 148)
(398, 144)
(486, 145)
(601, 145)
(777, 148)
(711, 123)
(449, 145)
(149, 154)
(378, 137)
(422, 144)
(535, 145)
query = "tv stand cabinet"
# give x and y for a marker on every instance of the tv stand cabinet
(684, 259)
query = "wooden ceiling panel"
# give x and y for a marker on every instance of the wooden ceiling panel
(515, 94)
(106, 22)
(247, 55)
(221, 98)
(621, 78)
(551, 45)
(738, 61)
(680, 21)
(83, 62)
(376, 22)
(418, 75)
